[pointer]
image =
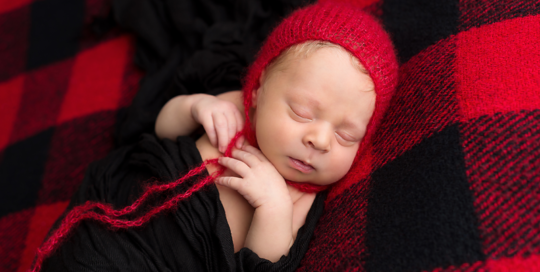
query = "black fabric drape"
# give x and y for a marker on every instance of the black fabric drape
(195, 46)
(195, 236)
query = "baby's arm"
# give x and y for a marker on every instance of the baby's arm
(271, 232)
(219, 115)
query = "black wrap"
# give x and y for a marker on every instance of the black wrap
(185, 47)
(193, 237)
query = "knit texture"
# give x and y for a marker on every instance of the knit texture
(350, 27)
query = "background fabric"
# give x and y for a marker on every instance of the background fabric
(455, 171)
(61, 90)
(455, 181)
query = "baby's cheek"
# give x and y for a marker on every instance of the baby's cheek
(343, 161)
(282, 129)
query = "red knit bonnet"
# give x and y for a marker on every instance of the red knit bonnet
(344, 25)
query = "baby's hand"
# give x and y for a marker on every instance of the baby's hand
(221, 120)
(259, 182)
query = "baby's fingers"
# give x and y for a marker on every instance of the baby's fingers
(230, 182)
(240, 141)
(208, 126)
(239, 167)
(232, 122)
(222, 130)
(246, 157)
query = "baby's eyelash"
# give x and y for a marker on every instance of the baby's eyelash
(347, 138)
(300, 115)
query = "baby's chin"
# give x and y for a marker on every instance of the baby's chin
(317, 177)
(298, 178)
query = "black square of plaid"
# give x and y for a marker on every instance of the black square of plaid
(55, 31)
(420, 214)
(14, 27)
(21, 171)
(416, 24)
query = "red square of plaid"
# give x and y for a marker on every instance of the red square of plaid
(497, 67)
(6, 6)
(95, 84)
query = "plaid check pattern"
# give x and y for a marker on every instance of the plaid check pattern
(455, 183)
(60, 91)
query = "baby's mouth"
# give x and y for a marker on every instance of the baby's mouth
(301, 166)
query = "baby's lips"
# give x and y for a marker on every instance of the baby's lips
(301, 165)
(307, 164)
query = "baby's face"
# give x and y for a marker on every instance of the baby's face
(311, 115)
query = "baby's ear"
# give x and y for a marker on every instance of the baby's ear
(262, 77)
(256, 92)
(254, 97)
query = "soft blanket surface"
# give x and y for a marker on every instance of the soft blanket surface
(455, 181)
(455, 169)
(61, 89)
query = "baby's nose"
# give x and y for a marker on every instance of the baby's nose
(319, 139)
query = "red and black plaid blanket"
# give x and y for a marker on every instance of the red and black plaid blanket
(60, 92)
(455, 169)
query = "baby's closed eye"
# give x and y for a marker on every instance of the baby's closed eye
(300, 114)
(347, 139)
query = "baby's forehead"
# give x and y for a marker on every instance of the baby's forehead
(305, 50)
